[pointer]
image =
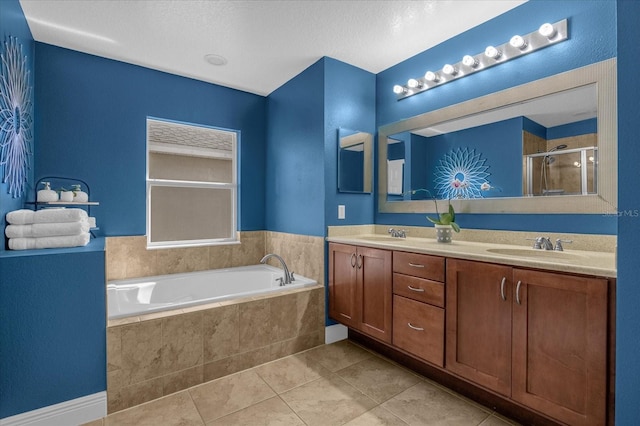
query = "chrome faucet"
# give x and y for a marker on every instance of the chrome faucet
(543, 243)
(395, 233)
(288, 276)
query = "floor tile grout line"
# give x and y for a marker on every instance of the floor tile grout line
(196, 405)
(292, 410)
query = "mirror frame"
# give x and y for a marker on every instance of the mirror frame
(602, 74)
(366, 139)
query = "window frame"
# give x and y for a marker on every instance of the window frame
(199, 152)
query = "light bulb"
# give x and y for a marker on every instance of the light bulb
(470, 61)
(449, 69)
(413, 83)
(431, 76)
(591, 159)
(397, 89)
(576, 163)
(518, 42)
(492, 52)
(547, 30)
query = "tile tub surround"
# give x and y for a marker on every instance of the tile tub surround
(337, 384)
(304, 254)
(158, 354)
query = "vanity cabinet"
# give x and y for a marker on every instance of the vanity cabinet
(418, 305)
(539, 338)
(360, 289)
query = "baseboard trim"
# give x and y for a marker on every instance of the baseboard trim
(74, 412)
(335, 333)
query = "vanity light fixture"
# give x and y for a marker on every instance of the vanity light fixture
(546, 35)
(449, 70)
(469, 61)
(492, 52)
(518, 42)
(432, 76)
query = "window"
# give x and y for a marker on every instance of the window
(191, 185)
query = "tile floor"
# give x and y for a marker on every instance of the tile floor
(336, 384)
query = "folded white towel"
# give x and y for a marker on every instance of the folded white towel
(47, 229)
(49, 242)
(26, 217)
(92, 222)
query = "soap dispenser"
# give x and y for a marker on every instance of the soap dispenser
(79, 196)
(47, 194)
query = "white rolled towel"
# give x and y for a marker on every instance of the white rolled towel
(36, 230)
(49, 242)
(27, 217)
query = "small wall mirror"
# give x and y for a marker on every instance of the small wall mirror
(355, 161)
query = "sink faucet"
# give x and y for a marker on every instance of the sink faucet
(543, 243)
(395, 233)
(288, 276)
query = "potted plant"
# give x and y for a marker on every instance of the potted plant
(443, 222)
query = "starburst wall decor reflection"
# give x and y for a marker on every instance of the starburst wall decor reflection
(16, 117)
(460, 174)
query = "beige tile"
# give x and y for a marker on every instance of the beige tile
(179, 260)
(327, 401)
(290, 372)
(229, 394)
(99, 422)
(142, 350)
(220, 257)
(135, 394)
(140, 261)
(378, 379)
(297, 344)
(497, 420)
(181, 380)
(114, 348)
(116, 258)
(233, 364)
(177, 409)
(376, 417)
(221, 332)
(284, 317)
(254, 324)
(181, 342)
(428, 404)
(310, 304)
(272, 412)
(339, 355)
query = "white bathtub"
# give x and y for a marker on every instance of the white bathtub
(152, 294)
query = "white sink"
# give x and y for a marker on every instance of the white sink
(545, 254)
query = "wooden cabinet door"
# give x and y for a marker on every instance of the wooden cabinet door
(418, 328)
(560, 345)
(375, 287)
(343, 290)
(478, 313)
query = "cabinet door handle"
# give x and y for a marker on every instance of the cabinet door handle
(416, 265)
(344, 315)
(359, 263)
(413, 327)
(420, 290)
(353, 260)
(504, 280)
(518, 292)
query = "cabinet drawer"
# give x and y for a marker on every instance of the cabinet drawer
(419, 265)
(419, 289)
(418, 328)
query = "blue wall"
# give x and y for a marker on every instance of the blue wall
(628, 290)
(91, 124)
(588, 21)
(295, 152)
(14, 24)
(52, 327)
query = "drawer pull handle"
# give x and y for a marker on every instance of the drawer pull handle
(420, 290)
(416, 265)
(504, 297)
(413, 327)
(518, 292)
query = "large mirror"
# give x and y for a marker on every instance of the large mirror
(355, 161)
(546, 146)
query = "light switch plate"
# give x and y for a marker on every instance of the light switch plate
(341, 211)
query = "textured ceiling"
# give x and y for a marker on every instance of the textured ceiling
(266, 43)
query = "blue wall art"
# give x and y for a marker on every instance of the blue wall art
(16, 117)
(461, 173)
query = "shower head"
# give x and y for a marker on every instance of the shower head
(556, 148)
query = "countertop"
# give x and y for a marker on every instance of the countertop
(601, 264)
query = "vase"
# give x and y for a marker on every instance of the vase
(444, 233)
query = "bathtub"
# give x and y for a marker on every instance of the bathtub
(145, 295)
